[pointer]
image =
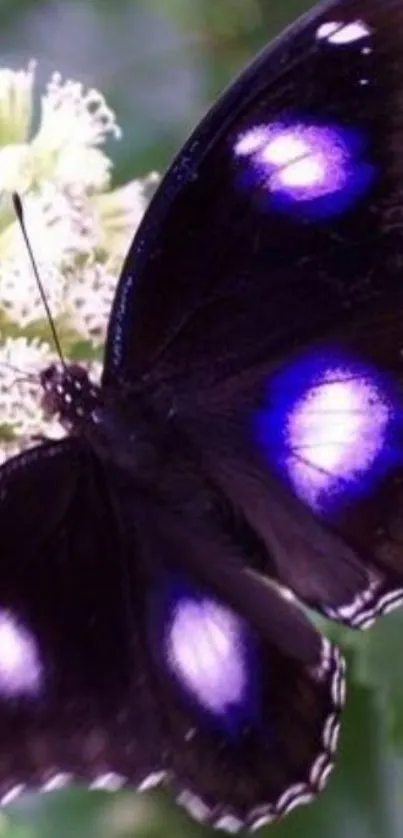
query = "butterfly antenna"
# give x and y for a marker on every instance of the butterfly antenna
(17, 203)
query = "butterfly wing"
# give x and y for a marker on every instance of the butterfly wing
(72, 690)
(117, 671)
(228, 231)
(261, 302)
(248, 691)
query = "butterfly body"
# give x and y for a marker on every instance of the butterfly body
(119, 428)
(242, 454)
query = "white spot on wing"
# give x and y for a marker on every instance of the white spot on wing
(340, 34)
(206, 651)
(58, 781)
(194, 805)
(20, 666)
(12, 794)
(109, 781)
(230, 823)
(154, 779)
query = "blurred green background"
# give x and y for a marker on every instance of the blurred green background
(160, 63)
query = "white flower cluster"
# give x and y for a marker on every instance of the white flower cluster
(79, 228)
(21, 417)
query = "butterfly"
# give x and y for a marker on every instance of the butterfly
(241, 458)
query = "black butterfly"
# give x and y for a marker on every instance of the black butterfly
(246, 440)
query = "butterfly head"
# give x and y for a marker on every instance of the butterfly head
(68, 393)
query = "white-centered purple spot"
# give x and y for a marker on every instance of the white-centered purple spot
(206, 651)
(339, 33)
(307, 161)
(20, 667)
(329, 428)
(299, 163)
(335, 432)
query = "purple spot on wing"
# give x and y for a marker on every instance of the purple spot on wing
(20, 666)
(345, 447)
(210, 652)
(207, 653)
(319, 166)
(330, 428)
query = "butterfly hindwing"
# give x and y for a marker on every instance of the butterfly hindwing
(261, 302)
(250, 694)
(118, 666)
(74, 695)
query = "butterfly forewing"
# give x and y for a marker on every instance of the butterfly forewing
(261, 301)
(224, 234)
